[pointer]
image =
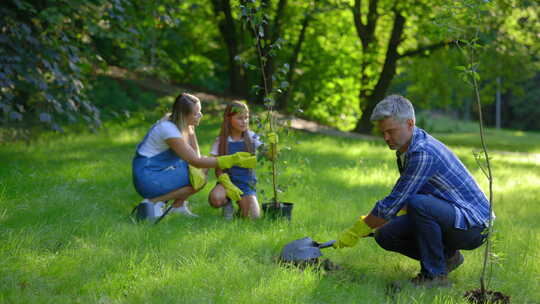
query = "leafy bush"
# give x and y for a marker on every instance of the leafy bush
(44, 61)
(119, 99)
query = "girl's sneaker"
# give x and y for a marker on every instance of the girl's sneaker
(228, 210)
(183, 210)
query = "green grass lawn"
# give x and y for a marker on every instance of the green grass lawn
(67, 238)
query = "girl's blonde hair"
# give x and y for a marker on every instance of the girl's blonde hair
(233, 108)
(182, 107)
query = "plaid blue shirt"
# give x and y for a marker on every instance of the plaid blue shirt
(429, 167)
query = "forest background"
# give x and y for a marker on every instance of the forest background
(331, 60)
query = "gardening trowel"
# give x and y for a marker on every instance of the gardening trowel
(303, 250)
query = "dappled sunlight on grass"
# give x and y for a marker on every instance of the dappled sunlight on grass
(66, 235)
(126, 136)
(496, 140)
(511, 159)
(525, 183)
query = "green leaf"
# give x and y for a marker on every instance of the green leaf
(45, 117)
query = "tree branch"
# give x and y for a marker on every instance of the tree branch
(366, 32)
(284, 98)
(372, 16)
(421, 51)
(357, 15)
(389, 67)
(276, 28)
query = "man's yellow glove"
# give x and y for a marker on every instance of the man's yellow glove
(349, 237)
(233, 192)
(240, 159)
(401, 212)
(197, 178)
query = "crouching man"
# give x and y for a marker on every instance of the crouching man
(445, 209)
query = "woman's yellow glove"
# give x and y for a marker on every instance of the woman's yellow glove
(240, 159)
(349, 237)
(197, 178)
(233, 192)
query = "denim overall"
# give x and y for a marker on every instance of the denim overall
(159, 174)
(242, 178)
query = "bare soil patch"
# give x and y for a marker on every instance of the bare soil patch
(476, 296)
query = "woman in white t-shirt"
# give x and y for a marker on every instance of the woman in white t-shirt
(165, 162)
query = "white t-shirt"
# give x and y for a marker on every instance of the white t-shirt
(254, 139)
(155, 142)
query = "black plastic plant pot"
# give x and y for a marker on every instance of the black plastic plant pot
(277, 211)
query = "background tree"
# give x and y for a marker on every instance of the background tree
(233, 35)
(388, 31)
(45, 51)
(509, 53)
(340, 57)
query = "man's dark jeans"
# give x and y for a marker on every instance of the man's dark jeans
(426, 233)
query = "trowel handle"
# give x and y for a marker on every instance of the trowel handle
(327, 244)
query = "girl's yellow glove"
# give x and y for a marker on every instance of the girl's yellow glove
(240, 159)
(349, 237)
(233, 192)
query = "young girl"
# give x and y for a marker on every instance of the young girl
(236, 184)
(166, 161)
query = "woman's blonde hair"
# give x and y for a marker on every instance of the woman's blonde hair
(230, 110)
(182, 107)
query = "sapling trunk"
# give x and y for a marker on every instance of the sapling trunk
(269, 104)
(487, 173)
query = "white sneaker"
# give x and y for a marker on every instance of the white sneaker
(228, 210)
(158, 209)
(183, 210)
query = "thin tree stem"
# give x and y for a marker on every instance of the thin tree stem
(270, 117)
(489, 173)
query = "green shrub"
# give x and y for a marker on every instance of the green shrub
(119, 99)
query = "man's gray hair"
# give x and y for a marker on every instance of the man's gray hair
(395, 106)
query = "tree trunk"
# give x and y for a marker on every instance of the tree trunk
(237, 78)
(227, 28)
(271, 35)
(364, 125)
(366, 25)
(369, 99)
(284, 98)
(498, 104)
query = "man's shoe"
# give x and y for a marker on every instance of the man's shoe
(228, 210)
(454, 261)
(423, 280)
(184, 210)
